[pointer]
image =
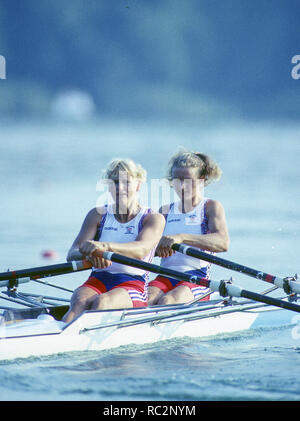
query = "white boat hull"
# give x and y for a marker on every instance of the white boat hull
(99, 330)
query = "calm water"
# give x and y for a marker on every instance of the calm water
(49, 175)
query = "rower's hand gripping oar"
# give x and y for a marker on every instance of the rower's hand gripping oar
(223, 287)
(287, 284)
(13, 278)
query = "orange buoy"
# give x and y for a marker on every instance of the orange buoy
(50, 254)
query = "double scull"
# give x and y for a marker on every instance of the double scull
(37, 328)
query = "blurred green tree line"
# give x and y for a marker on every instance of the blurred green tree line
(152, 57)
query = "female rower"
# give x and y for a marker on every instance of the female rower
(193, 220)
(122, 227)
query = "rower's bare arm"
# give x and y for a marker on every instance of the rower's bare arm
(148, 238)
(218, 238)
(87, 232)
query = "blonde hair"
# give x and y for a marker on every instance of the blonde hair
(133, 170)
(207, 167)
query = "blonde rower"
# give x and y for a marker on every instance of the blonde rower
(123, 227)
(193, 220)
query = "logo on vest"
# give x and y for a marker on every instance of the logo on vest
(192, 220)
(129, 229)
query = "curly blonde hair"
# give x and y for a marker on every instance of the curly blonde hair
(208, 168)
(133, 170)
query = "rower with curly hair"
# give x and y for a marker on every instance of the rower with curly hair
(193, 220)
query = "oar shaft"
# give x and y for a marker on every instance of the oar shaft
(140, 264)
(231, 290)
(43, 271)
(254, 273)
(270, 300)
(190, 251)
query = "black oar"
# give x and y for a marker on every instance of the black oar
(223, 287)
(286, 283)
(13, 278)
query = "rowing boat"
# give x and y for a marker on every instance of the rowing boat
(38, 330)
(99, 330)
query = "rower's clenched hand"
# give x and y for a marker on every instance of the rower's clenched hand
(164, 248)
(89, 247)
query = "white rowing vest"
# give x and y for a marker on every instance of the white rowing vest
(111, 230)
(194, 222)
